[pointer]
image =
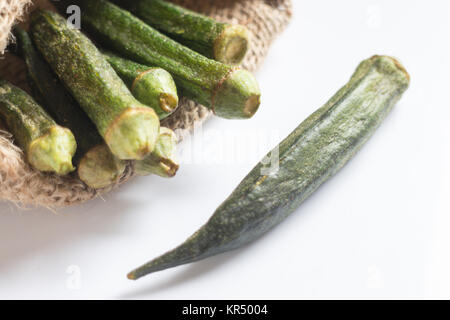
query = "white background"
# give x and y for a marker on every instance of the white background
(379, 229)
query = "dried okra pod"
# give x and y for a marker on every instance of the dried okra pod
(309, 156)
(47, 146)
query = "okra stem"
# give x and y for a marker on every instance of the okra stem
(153, 87)
(220, 41)
(162, 161)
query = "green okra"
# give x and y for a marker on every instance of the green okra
(153, 87)
(129, 128)
(47, 146)
(96, 166)
(309, 156)
(99, 168)
(223, 42)
(162, 161)
(230, 92)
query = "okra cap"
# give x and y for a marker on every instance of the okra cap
(232, 44)
(99, 168)
(162, 161)
(133, 134)
(238, 96)
(156, 88)
(54, 151)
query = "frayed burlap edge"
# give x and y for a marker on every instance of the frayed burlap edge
(10, 12)
(24, 186)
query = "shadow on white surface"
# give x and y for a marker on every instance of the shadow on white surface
(28, 232)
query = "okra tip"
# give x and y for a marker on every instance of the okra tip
(133, 135)
(238, 96)
(143, 271)
(99, 168)
(202, 244)
(53, 152)
(232, 44)
(191, 250)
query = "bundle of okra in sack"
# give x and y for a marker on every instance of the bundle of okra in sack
(192, 52)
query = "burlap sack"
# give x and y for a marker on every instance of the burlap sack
(24, 186)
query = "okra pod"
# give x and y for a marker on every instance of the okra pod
(230, 92)
(129, 128)
(153, 87)
(162, 161)
(223, 42)
(47, 146)
(309, 156)
(96, 166)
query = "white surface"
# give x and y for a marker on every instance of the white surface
(379, 229)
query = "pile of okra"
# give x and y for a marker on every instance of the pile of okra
(99, 92)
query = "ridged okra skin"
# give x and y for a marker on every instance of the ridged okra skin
(220, 41)
(48, 147)
(58, 102)
(129, 128)
(309, 156)
(96, 166)
(153, 87)
(230, 92)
